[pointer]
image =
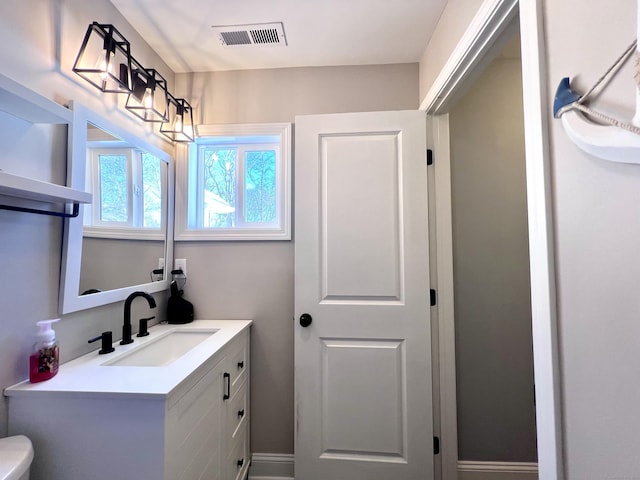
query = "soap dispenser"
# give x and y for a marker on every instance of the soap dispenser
(43, 361)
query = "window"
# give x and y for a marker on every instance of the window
(238, 184)
(127, 187)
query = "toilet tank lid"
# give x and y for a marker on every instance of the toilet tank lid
(16, 454)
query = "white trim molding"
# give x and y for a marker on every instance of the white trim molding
(492, 18)
(446, 324)
(546, 363)
(271, 466)
(497, 470)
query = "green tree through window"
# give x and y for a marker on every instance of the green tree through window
(260, 186)
(219, 187)
(114, 199)
(151, 191)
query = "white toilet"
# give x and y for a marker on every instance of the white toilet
(16, 454)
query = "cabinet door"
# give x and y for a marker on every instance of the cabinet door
(195, 430)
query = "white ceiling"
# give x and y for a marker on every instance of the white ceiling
(318, 32)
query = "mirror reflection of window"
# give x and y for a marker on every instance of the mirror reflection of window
(113, 186)
(151, 191)
(127, 185)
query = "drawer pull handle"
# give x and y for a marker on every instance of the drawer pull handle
(241, 413)
(227, 394)
(240, 365)
(240, 462)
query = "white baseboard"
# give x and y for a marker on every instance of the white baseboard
(271, 466)
(497, 470)
(277, 466)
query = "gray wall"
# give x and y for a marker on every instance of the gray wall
(494, 357)
(255, 279)
(452, 24)
(110, 263)
(597, 234)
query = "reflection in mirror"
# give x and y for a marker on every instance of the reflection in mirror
(115, 246)
(124, 227)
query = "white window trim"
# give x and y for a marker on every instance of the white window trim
(95, 173)
(183, 233)
(93, 227)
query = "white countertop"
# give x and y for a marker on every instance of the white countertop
(87, 375)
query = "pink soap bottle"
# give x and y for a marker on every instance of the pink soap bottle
(43, 361)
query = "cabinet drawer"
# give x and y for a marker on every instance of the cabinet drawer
(238, 361)
(237, 412)
(238, 459)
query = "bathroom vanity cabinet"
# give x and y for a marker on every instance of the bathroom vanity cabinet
(198, 430)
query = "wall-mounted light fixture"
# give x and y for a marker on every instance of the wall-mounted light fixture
(105, 61)
(149, 98)
(179, 127)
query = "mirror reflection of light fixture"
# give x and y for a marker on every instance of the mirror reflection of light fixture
(150, 98)
(179, 127)
(104, 59)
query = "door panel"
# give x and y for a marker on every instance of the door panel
(363, 365)
(354, 426)
(360, 244)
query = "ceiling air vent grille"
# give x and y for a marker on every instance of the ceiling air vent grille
(257, 34)
(236, 38)
(265, 35)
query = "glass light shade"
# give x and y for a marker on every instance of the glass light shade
(179, 127)
(149, 99)
(104, 59)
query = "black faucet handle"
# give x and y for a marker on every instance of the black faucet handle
(107, 342)
(142, 329)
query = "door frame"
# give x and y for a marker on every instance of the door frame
(493, 18)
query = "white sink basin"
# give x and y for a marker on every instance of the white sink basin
(164, 350)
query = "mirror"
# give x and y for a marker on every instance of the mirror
(113, 247)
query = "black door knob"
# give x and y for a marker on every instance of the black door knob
(305, 320)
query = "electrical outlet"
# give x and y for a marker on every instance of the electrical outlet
(180, 264)
(159, 276)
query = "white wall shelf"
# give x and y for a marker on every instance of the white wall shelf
(23, 103)
(36, 190)
(30, 189)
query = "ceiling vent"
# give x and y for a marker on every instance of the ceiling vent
(258, 34)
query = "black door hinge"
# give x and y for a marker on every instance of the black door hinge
(429, 156)
(432, 297)
(436, 445)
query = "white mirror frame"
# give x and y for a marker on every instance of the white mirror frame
(70, 299)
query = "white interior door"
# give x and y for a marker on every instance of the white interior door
(363, 364)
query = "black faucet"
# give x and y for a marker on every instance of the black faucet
(126, 328)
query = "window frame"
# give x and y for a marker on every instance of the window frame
(93, 226)
(187, 188)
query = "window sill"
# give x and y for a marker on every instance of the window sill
(225, 235)
(124, 233)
